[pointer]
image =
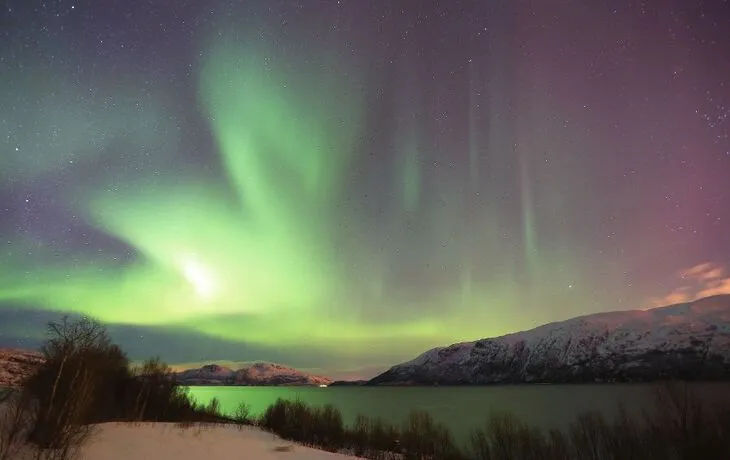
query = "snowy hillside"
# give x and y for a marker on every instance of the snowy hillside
(688, 341)
(255, 374)
(15, 365)
(210, 373)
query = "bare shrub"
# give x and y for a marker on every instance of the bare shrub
(292, 420)
(327, 428)
(242, 414)
(506, 437)
(557, 445)
(274, 417)
(423, 437)
(323, 427)
(67, 384)
(626, 438)
(372, 438)
(589, 435)
(681, 427)
(17, 417)
(213, 408)
(357, 436)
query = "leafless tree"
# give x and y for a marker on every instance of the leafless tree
(67, 338)
(66, 386)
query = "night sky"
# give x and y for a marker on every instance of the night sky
(340, 185)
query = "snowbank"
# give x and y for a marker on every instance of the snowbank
(156, 441)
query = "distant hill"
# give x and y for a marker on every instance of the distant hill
(689, 341)
(16, 365)
(255, 374)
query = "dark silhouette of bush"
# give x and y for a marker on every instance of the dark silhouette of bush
(506, 437)
(372, 438)
(242, 414)
(80, 364)
(422, 437)
(292, 420)
(86, 379)
(295, 421)
(328, 430)
(679, 428)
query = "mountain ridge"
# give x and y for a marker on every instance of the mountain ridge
(258, 373)
(689, 340)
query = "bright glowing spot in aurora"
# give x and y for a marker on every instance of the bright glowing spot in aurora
(201, 278)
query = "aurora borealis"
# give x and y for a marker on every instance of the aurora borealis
(341, 185)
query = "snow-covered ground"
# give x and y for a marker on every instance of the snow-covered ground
(156, 441)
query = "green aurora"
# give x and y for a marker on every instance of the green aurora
(260, 258)
(304, 210)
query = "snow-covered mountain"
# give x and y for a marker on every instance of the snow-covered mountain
(688, 341)
(16, 365)
(255, 374)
